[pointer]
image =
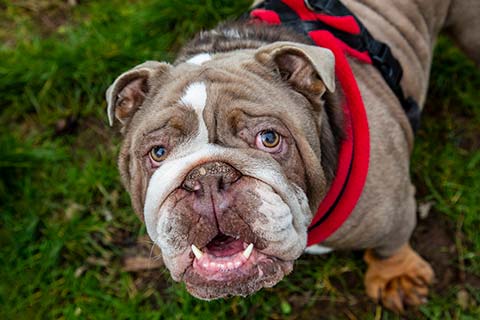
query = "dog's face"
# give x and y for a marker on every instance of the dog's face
(222, 159)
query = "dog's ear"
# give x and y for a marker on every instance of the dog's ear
(128, 91)
(308, 69)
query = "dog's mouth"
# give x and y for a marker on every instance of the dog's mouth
(231, 242)
(225, 258)
(230, 266)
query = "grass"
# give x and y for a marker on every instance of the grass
(66, 223)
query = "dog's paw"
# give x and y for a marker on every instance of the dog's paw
(400, 280)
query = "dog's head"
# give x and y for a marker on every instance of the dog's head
(224, 159)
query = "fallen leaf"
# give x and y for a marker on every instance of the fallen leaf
(97, 261)
(463, 299)
(80, 270)
(134, 264)
(424, 209)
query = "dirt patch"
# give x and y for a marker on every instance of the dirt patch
(48, 15)
(90, 132)
(433, 240)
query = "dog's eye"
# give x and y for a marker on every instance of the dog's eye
(158, 153)
(268, 140)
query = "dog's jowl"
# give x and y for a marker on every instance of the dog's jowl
(289, 128)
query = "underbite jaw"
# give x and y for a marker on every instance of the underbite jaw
(212, 263)
(223, 257)
(229, 266)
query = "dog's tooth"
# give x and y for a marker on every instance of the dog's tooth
(197, 252)
(213, 266)
(248, 251)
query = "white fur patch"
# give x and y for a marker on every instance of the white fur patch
(199, 59)
(276, 222)
(318, 249)
(167, 178)
(196, 97)
(173, 170)
(274, 209)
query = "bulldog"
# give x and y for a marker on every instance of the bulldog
(229, 151)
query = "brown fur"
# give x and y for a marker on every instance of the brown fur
(243, 70)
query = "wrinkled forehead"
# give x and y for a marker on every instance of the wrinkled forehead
(212, 86)
(230, 80)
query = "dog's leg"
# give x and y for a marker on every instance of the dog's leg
(463, 24)
(398, 280)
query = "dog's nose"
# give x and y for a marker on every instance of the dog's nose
(213, 176)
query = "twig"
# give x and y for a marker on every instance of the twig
(459, 246)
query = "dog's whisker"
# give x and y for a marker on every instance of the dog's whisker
(150, 256)
(157, 257)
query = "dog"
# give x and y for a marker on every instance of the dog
(229, 152)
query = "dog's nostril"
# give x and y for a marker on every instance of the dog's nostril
(222, 184)
(191, 185)
(216, 175)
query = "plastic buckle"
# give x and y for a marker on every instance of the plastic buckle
(381, 53)
(382, 57)
(320, 5)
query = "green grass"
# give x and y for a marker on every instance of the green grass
(66, 221)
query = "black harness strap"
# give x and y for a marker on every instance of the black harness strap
(380, 54)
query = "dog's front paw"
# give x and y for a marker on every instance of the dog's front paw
(399, 280)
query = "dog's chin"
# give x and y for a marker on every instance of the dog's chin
(226, 272)
(237, 283)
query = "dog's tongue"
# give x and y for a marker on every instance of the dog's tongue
(223, 245)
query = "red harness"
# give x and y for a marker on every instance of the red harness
(354, 153)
